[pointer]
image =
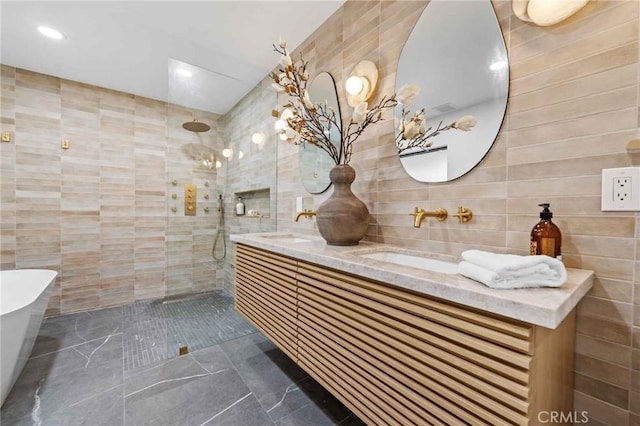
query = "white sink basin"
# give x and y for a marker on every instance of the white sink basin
(414, 261)
(285, 238)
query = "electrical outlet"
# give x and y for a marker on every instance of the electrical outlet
(621, 189)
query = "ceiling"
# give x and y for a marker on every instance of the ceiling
(137, 46)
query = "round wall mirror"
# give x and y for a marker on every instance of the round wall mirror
(457, 55)
(315, 164)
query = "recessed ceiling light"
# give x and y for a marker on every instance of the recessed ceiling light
(50, 32)
(498, 65)
(183, 72)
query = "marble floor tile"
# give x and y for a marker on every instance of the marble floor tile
(321, 407)
(270, 374)
(58, 380)
(182, 392)
(312, 415)
(245, 412)
(103, 409)
(69, 330)
(79, 373)
(212, 359)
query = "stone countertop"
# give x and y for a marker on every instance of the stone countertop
(546, 307)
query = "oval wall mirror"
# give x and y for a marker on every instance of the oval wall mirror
(457, 55)
(315, 164)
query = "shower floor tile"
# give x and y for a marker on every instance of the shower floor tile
(155, 331)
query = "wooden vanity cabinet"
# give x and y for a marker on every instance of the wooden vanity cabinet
(397, 357)
(266, 294)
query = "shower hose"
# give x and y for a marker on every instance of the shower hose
(219, 232)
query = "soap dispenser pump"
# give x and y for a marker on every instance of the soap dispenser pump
(545, 236)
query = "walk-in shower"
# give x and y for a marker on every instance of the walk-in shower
(195, 176)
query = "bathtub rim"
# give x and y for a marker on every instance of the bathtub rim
(47, 277)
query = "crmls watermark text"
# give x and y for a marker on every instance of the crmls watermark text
(570, 417)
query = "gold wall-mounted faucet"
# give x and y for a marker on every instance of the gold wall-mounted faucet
(420, 214)
(464, 214)
(305, 212)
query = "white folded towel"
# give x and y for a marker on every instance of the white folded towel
(512, 271)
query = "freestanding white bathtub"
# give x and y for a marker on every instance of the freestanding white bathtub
(24, 295)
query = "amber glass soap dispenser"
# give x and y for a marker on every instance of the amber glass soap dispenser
(545, 236)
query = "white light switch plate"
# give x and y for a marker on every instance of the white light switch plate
(621, 189)
(299, 204)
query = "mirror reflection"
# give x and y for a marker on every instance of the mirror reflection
(315, 164)
(457, 55)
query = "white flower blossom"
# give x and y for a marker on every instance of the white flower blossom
(286, 61)
(401, 123)
(411, 130)
(283, 79)
(407, 94)
(359, 112)
(420, 122)
(465, 123)
(307, 101)
(287, 113)
(277, 87)
(282, 43)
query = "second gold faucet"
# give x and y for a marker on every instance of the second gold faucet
(420, 214)
(305, 212)
(464, 215)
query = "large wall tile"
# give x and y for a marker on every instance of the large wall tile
(98, 212)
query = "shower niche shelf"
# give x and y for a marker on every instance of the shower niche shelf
(255, 199)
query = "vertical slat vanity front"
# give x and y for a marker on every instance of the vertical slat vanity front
(395, 356)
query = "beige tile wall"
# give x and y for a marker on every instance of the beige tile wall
(251, 170)
(99, 213)
(573, 106)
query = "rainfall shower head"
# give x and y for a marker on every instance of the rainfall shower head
(196, 126)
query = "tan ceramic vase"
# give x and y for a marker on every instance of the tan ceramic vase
(342, 219)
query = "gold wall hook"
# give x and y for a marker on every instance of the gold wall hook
(6, 137)
(464, 214)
